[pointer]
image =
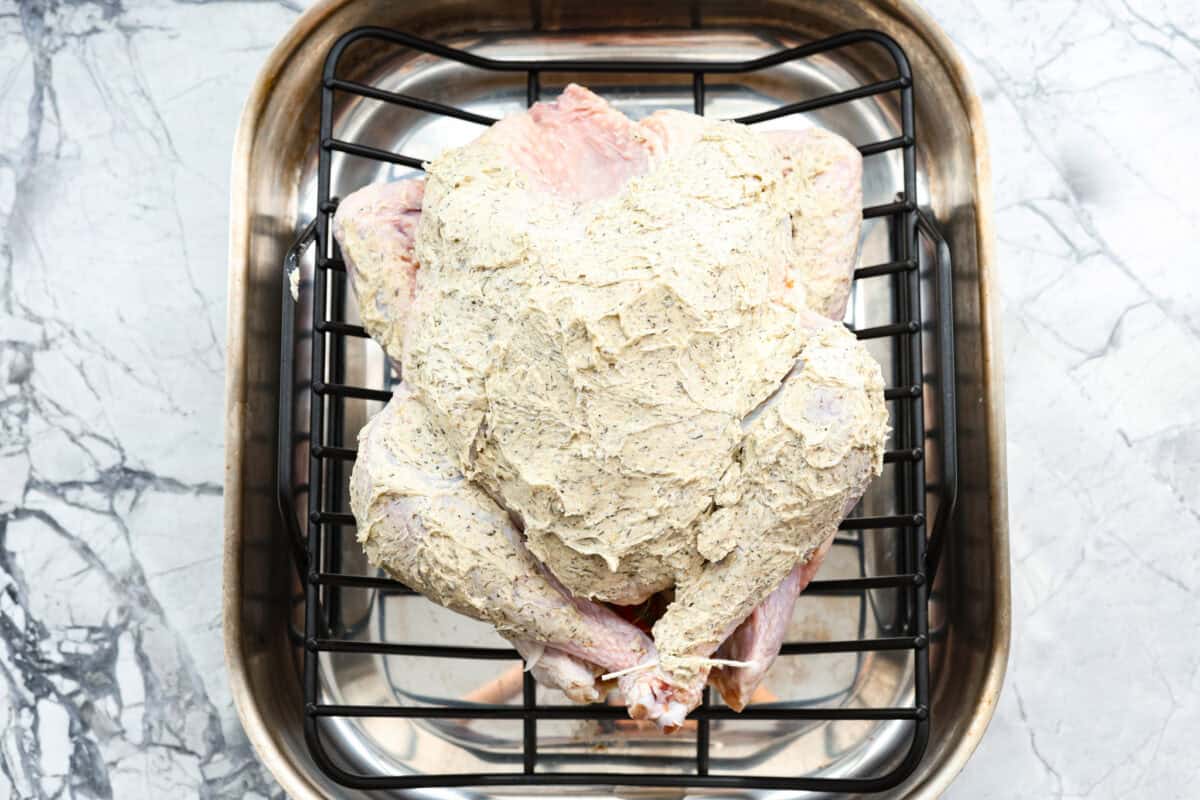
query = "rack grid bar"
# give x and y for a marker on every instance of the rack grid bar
(318, 556)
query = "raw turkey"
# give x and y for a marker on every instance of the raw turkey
(622, 374)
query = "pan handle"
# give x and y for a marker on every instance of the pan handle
(948, 435)
(285, 430)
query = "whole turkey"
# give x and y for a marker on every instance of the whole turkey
(623, 374)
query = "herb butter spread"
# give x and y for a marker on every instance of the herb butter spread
(591, 363)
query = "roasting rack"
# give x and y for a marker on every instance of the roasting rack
(316, 543)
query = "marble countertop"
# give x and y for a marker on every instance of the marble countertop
(116, 126)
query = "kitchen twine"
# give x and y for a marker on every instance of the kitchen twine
(699, 661)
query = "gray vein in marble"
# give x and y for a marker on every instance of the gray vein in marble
(1074, 179)
(1092, 109)
(1033, 745)
(290, 6)
(100, 695)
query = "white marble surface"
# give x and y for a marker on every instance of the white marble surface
(116, 124)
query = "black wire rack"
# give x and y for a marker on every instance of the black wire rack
(316, 547)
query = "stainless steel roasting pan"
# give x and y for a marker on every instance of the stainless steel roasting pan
(273, 198)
